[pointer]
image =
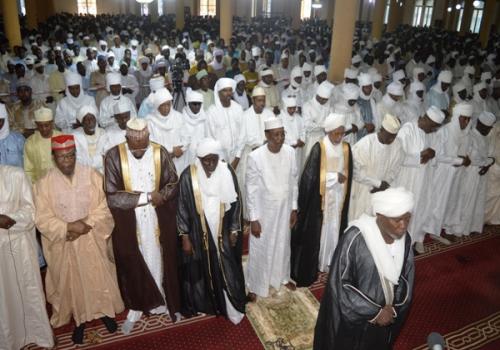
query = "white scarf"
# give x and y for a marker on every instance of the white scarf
(75, 102)
(192, 118)
(146, 73)
(5, 130)
(242, 100)
(219, 185)
(163, 122)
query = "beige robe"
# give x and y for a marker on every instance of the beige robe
(81, 280)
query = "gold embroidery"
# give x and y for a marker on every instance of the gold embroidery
(125, 167)
(157, 161)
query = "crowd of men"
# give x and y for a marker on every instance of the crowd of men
(141, 155)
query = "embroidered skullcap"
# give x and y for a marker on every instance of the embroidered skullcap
(258, 91)
(62, 142)
(84, 110)
(445, 76)
(393, 202)
(137, 129)
(487, 118)
(208, 146)
(435, 114)
(43, 114)
(391, 124)
(273, 123)
(334, 121)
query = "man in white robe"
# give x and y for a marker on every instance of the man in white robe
(240, 95)
(416, 144)
(413, 107)
(22, 301)
(272, 189)
(130, 85)
(492, 209)
(438, 94)
(115, 134)
(166, 127)
(194, 123)
(308, 83)
(295, 88)
(113, 82)
(377, 161)
(347, 106)
(40, 85)
(479, 99)
(224, 119)
(89, 138)
(294, 128)
(143, 75)
(272, 93)
(367, 104)
(390, 103)
(68, 107)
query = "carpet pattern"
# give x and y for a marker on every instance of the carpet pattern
(286, 319)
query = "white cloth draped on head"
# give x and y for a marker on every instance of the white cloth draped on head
(72, 79)
(223, 83)
(334, 121)
(395, 88)
(113, 79)
(121, 107)
(393, 202)
(414, 88)
(445, 76)
(319, 69)
(86, 109)
(160, 96)
(435, 114)
(324, 90)
(5, 130)
(456, 89)
(239, 78)
(289, 102)
(194, 96)
(306, 67)
(350, 91)
(295, 73)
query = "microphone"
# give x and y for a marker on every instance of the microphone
(435, 341)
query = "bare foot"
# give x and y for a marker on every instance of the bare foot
(291, 286)
(252, 297)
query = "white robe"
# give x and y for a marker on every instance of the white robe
(386, 105)
(272, 188)
(88, 148)
(130, 81)
(112, 136)
(437, 97)
(314, 116)
(66, 111)
(492, 210)
(412, 110)
(373, 162)
(224, 125)
(169, 131)
(194, 131)
(294, 129)
(106, 112)
(352, 117)
(22, 301)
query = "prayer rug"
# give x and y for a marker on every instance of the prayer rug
(285, 320)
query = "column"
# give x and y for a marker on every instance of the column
(378, 19)
(31, 14)
(179, 14)
(11, 27)
(407, 12)
(217, 8)
(487, 21)
(394, 16)
(226, 20)
(196, 8)
(467, 17)
(344, 19)
(153, 10)
(294, 10)
(330, 8)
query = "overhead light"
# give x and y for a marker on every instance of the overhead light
(317, 4)
(458, 6)
(449, 9)
(144, 1)
(476, 3)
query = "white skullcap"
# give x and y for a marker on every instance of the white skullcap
(283, 55)
(393, 202)
(356, 59)
(463, 109)
(485, 76)
(391, 124)
(318, 69)
(445, 76)
(306, 67)
(350, 91)
(44, 115)
(193, 96)
(102, 43)
(113, 79)
(479, 86)
(111, 54)
(71, 79)
(376, 77)
(84, 110)
(273, 123)
(165, 47)
(208, 146)
(398, 75)
(258, 91)
(239, 77)
(161, 96)
(256, 51)
(395, 88)
(134, 42)
(350, 73)
(459, 87)
(365, 79)
(289, 102)
(29, 60)
(156, 83)
(122, 106)
(470, 70)
(324, 89)
(435, 114)
(334, 121)
(487, 118)
(266, 72)
(224, 83)
(180, 46)
(218, 52)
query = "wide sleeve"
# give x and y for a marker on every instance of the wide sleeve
(253, 188)
(411, 156)
(404, 290)
(60, 117)
(184, 216)
(25, 213)
(99, 216)
(49, 225)
(395, 162)
(170, 179)
(361, 160)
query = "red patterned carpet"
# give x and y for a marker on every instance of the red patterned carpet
(457, 293)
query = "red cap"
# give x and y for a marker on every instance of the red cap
(62, 142)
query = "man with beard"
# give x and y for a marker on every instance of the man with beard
(22, 112)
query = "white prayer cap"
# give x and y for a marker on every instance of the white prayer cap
(350, 91)
(356, 59)
(224, 83)
(463, 109)
(324, 89)
(306, 67)
(180, 46)
(258, 91)
(161, 63)
(470, 70)
(430, 59)
(86, 37)
(122, 106)
(435, 114)
(102, 43)
(318, 69)
(143, 59)
(29, 60)
(391, 124)
(193, 96)
(479, 86)
(57, 48)
(111, 54)
(273, 123)
(84, 110)
(487, 118)
(334, 121)
(486, 76)
(113, 79)
(208, 146)
(266, 72)
(134, 42)
(218, 52)
(156, 83)
(365, 79)
(458, 87)
(395, 88)
(69, 41)
(137, 129)
(289, 102)
(44, 115)
(160, 96)
(239, 77)
(350, 73)
(71, 79)
(393, 202)
(445, 76)
(165, 47)
(376, 77)
(398, 75)
(256, 51)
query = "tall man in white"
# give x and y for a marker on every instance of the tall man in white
(272, 190)
(377, 161)
(414, 137)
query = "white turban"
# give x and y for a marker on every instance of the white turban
(208, 146)
(193, 96)
(334, 121)
(160, 97)
(356, 59)
(113, 79)
(102, 43)
(256, 51)
(376, 77)
(430, 59)
(350, 91)
(238, 78)
(306, 67)
(435, 114)
(391, 124)
(266, 72)
(365, 79)
(458, 87)
(463, 109)
(487, 118)
(398, 75)
(393, 202)
(417, 71)
(273, 123)
(143, 59)
(350, 73)
(122, 106)
(71, 79)
(319, 69)
(416, 86)
(84, 110)
(395, 88)
(470, 70)
(289, 102)
(218, 52)
(445, 76)
(478, 87)
(485, 76)
(224, 83)
(157, 83)
(324, 89)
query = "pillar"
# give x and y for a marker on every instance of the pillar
(407, 12)
(395, 12)
(217, 8)
(378, 19)
(487, 21)
(12, 30)
(344, 19)
(196, 8)
(226, 20)
(330, 8)
(294, 10)
(153, 10)
(31, 14)
(467, 17)
(179, 14)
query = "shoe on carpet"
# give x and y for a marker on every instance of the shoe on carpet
(110, 324)
(127, 327)
(419, 247)
(77, 336)
(441, 239)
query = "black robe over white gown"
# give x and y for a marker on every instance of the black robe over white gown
(207, 273)
(354, 296)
